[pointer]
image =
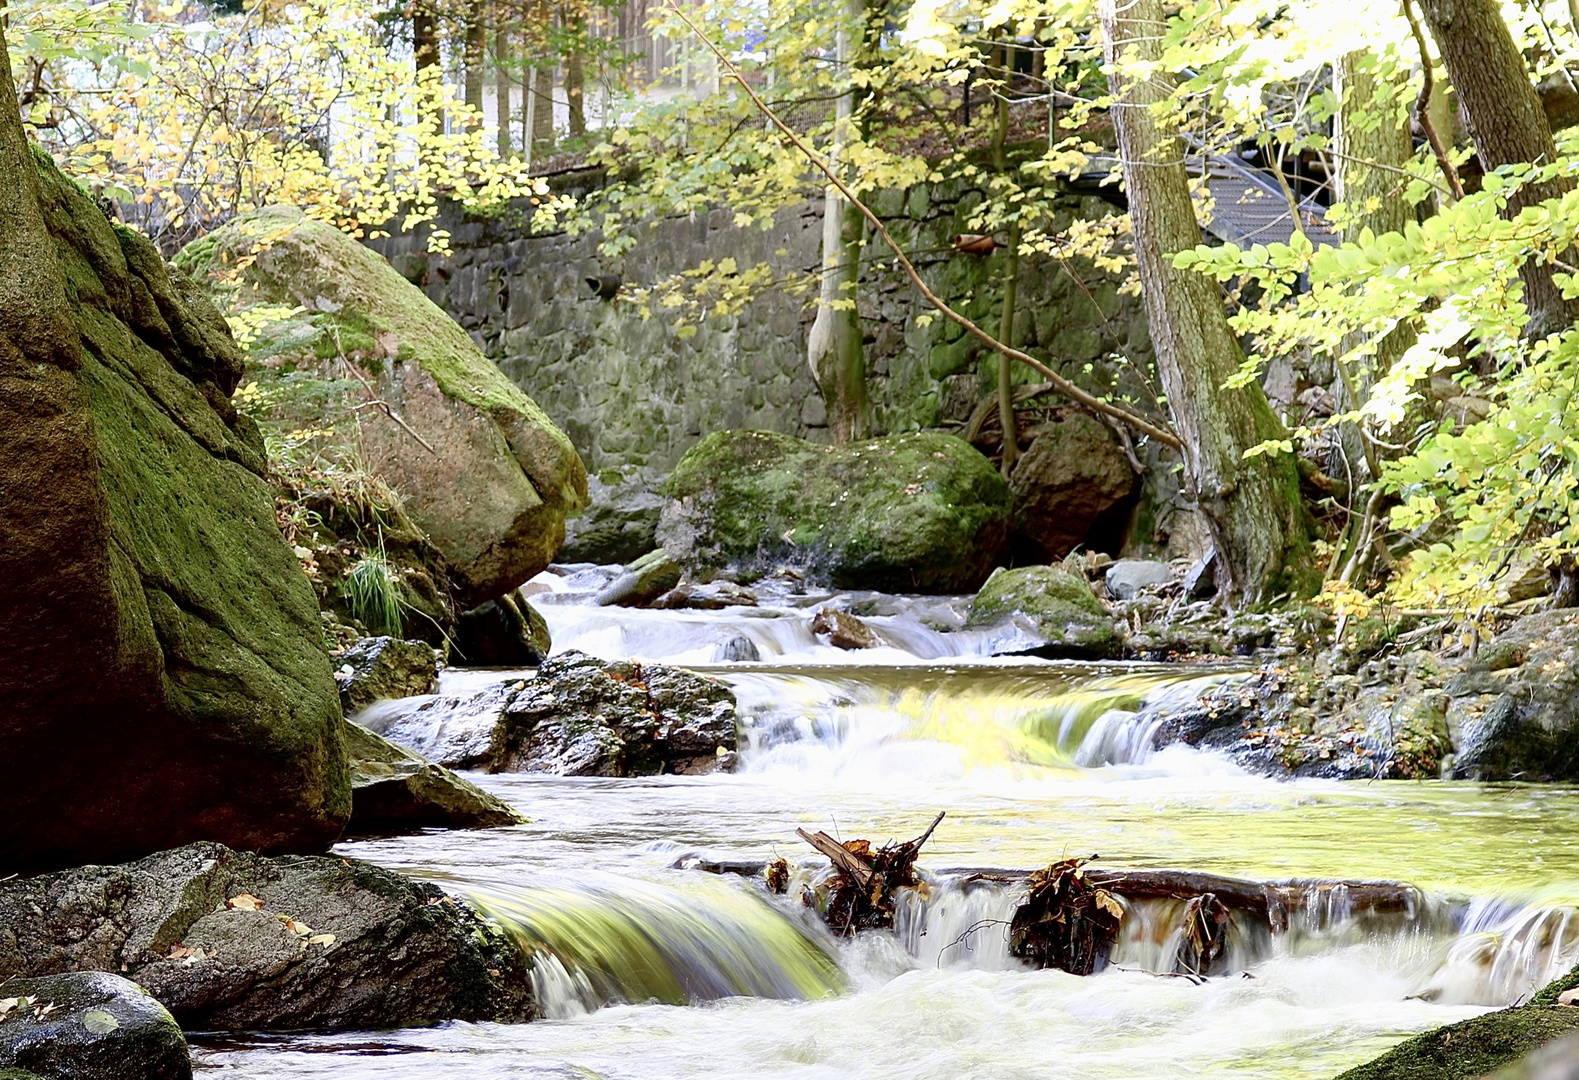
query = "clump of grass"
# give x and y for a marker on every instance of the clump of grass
(372, 592)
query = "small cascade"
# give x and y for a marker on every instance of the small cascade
(1504, 951)
(633, 941)
(947, 720)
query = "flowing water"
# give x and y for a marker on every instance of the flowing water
(647, 969)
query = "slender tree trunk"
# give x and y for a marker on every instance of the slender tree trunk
(1252, 505)
(575, 77)
(1507, 124)
(1011, 286)
(1373, 145)
(503, 76)
(543, 92)
(476, 46)
(425, 52)
(834, 347)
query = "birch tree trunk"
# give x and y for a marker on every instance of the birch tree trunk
(1252, 505)
(833, 347)
(1506, 122)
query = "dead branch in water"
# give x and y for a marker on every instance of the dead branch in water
(861, 893)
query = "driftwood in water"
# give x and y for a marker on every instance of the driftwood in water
(1066, 921)
(1203, 945)
(860, 894)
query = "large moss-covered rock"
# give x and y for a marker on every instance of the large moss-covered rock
(906, 513)
(396, 790)
(88, 1026)
(165, 676)
(496, 478)
(230, 941)
(1053, 609)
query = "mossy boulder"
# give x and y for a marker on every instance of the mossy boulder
(1072, 486)
(481, 468)
(905, 513)
(88, 1026)
(1472, 1048)
(230, 941)
(1054, 610)
(166, 678)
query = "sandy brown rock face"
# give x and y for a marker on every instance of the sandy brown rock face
(165, 679)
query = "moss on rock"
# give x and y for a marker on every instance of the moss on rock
(166, 640)
(906, 513)
(480, 466)
(1058, 607)
(1472, 1048)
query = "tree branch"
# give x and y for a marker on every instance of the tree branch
(1067, 388)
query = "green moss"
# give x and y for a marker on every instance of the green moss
(1472, 1048)
(905, 513)
(1059, 604)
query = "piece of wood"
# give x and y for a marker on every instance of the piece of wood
(841, 856)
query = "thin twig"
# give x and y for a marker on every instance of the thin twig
(1423, 105)
(1067, 388)
(376, 400)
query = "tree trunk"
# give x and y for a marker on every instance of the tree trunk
(1011, 286)
(575, 78)
(1252, 505)
(472, 57)
(543, 92)
(1507, 125)
(834, 347)
(1372, 152)
(502, 78)
(425, 52)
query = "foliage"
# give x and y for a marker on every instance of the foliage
(190, 118)
(372, 591)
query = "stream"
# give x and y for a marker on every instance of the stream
(647, 969)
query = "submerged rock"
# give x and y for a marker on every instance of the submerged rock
(396, 790)
(1072, 486)
(229, 941)
(456, 731)
(906, 513)
(713, 596)
(843, 630)
(88, 1026)
(385, 667)
(480, 467)
(166, 678)
(587, 717)
(1053, 608)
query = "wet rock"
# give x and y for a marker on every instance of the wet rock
(643, 581)
(713, 596)
(738, 650)
(456, 731)
(507, 632)
(905, 513)
(587, 717)
(496, 478)
(166, 678)
(1483, 1045)
(1128, 577)
(232, 941)
(620, 522)
(88, 1026)
(1200, 581)
(1530, 731)
(1054, 609)
(385, 667)
(843, 630)
(1557, 1060)
(396, 790)
(1072, 486)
